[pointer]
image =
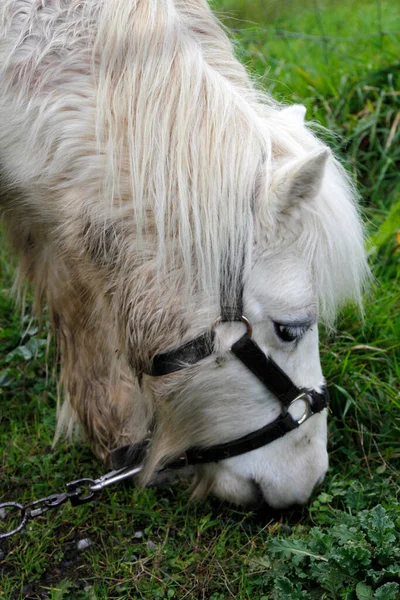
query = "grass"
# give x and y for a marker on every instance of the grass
(152, 543)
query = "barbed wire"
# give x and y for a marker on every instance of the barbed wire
(277, 33)
(323, 38)
(328, 43)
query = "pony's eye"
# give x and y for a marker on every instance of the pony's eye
(290, 333)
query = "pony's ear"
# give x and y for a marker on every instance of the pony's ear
(299, 180)
(295, 112)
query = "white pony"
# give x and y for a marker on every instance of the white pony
(148, 186)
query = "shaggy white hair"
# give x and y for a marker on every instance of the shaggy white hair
(181, 133)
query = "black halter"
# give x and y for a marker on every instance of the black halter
(263, 367)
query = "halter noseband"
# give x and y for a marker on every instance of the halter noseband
(263, 367)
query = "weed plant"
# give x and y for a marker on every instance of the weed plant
(149, 544)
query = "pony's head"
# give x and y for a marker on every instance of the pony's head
(307, 258)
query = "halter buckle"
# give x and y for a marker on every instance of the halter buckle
(308, 411)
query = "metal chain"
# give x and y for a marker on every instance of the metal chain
(78, 492)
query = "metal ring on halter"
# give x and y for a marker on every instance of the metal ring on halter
(308, 412)
(243, 319)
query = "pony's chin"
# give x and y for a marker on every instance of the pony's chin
(238, 491)
(282, 497)
(251, 495)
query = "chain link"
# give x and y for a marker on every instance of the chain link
(78, 492)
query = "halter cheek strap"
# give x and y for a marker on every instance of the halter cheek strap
(186, 355)
(265, 369)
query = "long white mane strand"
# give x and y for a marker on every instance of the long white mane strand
(181, 132)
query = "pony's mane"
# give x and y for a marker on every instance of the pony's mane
(186, 138)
